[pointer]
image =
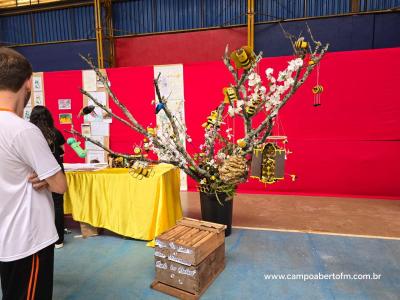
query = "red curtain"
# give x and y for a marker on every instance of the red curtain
(347, 146)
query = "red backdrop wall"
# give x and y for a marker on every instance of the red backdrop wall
(186, 47)
(347, 146)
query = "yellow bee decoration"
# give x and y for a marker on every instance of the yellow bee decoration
(230, 95)
(212, 120)
(311, 62)
(318, 89)
(241, 143)
(137, 151)
(146, 145)
(243, 57)
(301, 44)
(151, 131)
(251, 109)
(140, 170)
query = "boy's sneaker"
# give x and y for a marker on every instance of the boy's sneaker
(58, 246)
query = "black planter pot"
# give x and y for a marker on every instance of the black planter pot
(213, 211)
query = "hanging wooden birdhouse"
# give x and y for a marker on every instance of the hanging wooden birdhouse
(268, 163)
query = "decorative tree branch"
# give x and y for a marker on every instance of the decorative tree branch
(224, 164)
(135, 157)
(215, 129)
(104, 81)
(176, 136)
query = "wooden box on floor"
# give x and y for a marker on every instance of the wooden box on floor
(88, 230)
(189, 257)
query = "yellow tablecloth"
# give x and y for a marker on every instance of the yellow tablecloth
(113, 199)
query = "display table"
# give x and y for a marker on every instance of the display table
(113, 199)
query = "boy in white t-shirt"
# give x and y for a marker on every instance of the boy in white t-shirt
(28, 175)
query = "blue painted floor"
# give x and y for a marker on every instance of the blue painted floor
(108, 267)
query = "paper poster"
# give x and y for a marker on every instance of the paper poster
(170, 81)
(95, 157)
(171, 87)
(37, 84)
(64, 104)
(27, 113)
(107, 118)
(97, 116)
(100, 129)
(38, 98)
(90, 146)
(85, 130)
(101, 97)
(65, 118)
(89, 80)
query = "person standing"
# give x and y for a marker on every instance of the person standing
(42, 118)
(28, 174)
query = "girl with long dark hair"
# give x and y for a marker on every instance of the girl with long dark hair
(42, 118)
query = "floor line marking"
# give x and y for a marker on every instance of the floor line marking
(319, 232)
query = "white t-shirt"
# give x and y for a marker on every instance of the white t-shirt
(26, 215)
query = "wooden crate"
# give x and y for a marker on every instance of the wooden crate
(188, 257)
(192, 279)
(88, 230)
(190, 241)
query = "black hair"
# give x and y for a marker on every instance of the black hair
(42, 118)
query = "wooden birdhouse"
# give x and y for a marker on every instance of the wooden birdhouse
(268, 163)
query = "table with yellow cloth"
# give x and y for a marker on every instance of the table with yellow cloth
(115, 200)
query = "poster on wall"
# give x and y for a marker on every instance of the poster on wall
(100, 129)
(95, 157)
(85, 130)
(97, 115)
(37, 84)
(171, 87)
(90, 146)
(64, 104)
(27, 113)
(38, 98)
(65, 118)
(89, 80)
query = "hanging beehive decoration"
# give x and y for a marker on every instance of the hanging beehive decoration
(243, 57)
(233, 170)
(268, 163)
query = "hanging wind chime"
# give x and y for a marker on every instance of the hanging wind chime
(318, 88)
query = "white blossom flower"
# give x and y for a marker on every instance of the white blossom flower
(281, 76)
(239, 103)
(254, 79)
(299, 62)
(263, 89)
(203, 181)
(268, 72)
(221, 155)
(231, 111)
(211, 162)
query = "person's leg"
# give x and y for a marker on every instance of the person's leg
(17, 278)
(59, 216)
(44, 284)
